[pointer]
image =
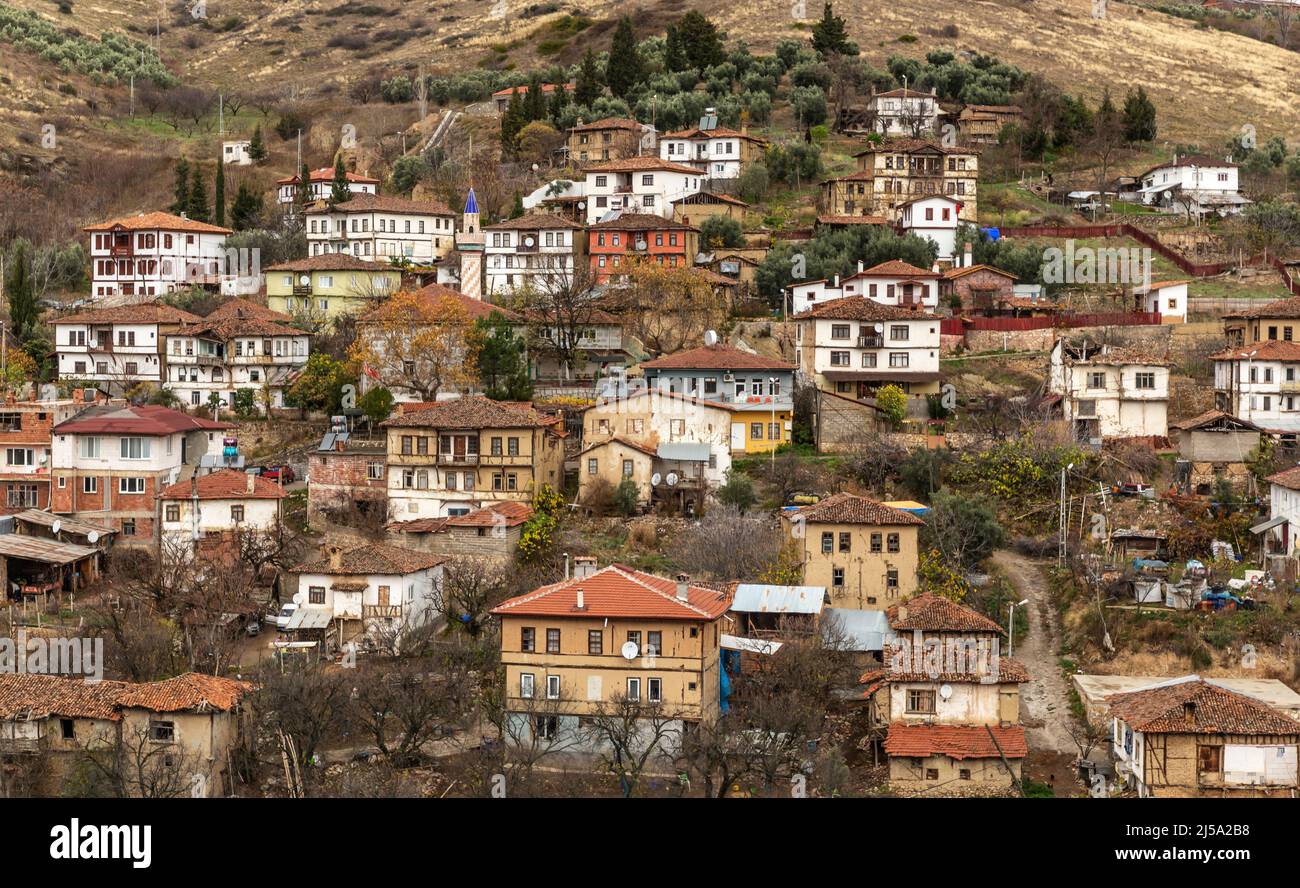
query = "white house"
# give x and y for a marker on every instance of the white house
(853, 346)
(1196, 184)
(895, 283)
(1260, 383)
(1109, 392)
(119, 346)
(717, 152)
(537, 251)
(933, 217)
(320, 184)
(136, 258)
(236, 152)
(373, 590)
(377, 227)
(1167, 298)
(905, 112)
(679, 428)
(639, 185)
(223, 502)
(1284, 503)
(225, 355)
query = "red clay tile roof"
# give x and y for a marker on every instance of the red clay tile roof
(623, 123)
(523, 89)
(1009, 671)
(418, 525)
(852, 220)
(895, 268)
(904, 93)
(720, 132)
(931, 613)
(1267, 350)
(229, 327)
(953, 273)
(1288, 478)
(860, 308)
(1210, 417)
(148, 419)
(386, 203)
(640, 222)
(46, 695)
(240, 307)
(618, 591)
(433, 295)
(224, 484)
(191, 692)
(715, 357)
(326, 174)
(638, 164)
(912, 146)
(1197, 707)
(331, 262)
(371, 559)
(955, 741)
(1200, 160)
(846, 508)
(471, 412)
(158, 221)
(1279, 308)
(705, 197)
(533, 222)
(507, 514)
(142, 313)
(647, 449)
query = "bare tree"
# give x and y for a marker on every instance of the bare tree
(469, 587)
(727, 544)
(630, 734)
(302, 705)
(133, 764)
(404, 707)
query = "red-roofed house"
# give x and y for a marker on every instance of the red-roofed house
(248, 362)
(639, 237)
(602, 639)
(109, 463)
(490, 532)
(638, 185)
(320, 184)
(141, 257)
(717, 152)
(381, 227)
(117, 347)
(894, 283)
(218, 504)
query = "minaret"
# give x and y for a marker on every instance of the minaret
(469, 244)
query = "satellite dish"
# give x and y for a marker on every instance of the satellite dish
(641, 245)
(655, 479)
(710, 337)
(528, 241)
(304, 279)
(299, 598)
(671, 479)
(945, 691)
(630, 650)
(880, 328)
(56, 526)
(92, 537)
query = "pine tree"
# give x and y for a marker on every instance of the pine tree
(23, 311)
(303, 195)
(501, 365)
(589, 86)
(198, 206)
(674, 57)
(830, 36)
(701, 41)
(246, 211)
(559, 99)
(512, 121)
(517, 209)
(1139, 117)
(181, 193)
(257, 146)
(624, 70)
(339, 190)
(219, 195)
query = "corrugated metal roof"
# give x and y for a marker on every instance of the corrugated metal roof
(761, 598)
(308, 618)
(863, 630)
(753, 645)
(32, 548)
(72, 525)
(688, 451)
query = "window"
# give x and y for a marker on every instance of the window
(128, 527)
(90, 485)
(236, 514)
(634, 690)
(162, 731)
(839, 359)
(627, 468)
(526, 685)
(839, 331)
(512, 447)
(828, 542)
(898, 332)
(68, 729)
(1209, 759)
(496, 446)
(837, 577)
(875, 542)
(135, 448)
(552, 641)
(1145, 381)
(654, 690)
(315, 594)
(845, 541)
(920, 702)
(130, 485)
(595, 641)
(173, 512)
(893, 542)
(18, 456)
(898, 359)
(527, 638)
(552, 687)
(891, 579)
(963, 773)
(756, 431)
(654, 643)
(374, 470)
(1096, 380)
(593, 466)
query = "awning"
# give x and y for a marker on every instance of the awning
(1269, 524)
(879, 376)
(684, 451)
(308, 618)
(753, 645)
(30, 548)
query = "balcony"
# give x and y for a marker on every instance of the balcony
(1289, 387)
(381, 611)
(457, 459)
(871, 342)
(302, 290)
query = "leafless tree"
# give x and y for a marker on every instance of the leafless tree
(302, 705)
(1087, 735)
(560, 308)
(403, 707)
(630, 734)
(132, 764)
(727, 544)
(469, 587)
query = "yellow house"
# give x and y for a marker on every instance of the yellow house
(862, 551)
(321, 288)
(606, 644)
(898, 170)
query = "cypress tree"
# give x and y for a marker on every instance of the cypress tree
(219, 195)
(23, 310)
(589, 86)
(339, 190)
(198, 206)
(303, 196)
(257, 146)
(181, 192)
(624, 69)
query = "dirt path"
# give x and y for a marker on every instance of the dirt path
(1046, 701)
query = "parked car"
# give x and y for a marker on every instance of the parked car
(282, 618)
(1133, 489)
(282, 474)
(253, 627)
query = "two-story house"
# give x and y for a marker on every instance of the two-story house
(1191, 738)
(983, 124)
(631, 237)
(26, 429)
(1275, 320)
(716, 151)
(899, 170)
(534, 252)
(1193, 184)
(246, 362)
(864, 552)
(607, 644)
(1260, 383)
(382, 227)
(453, 457)
(204, 510)
(110, 462)
(611, 138)
(117, 347)
(346, 472)
(638, 185)
(320, 185)
(893, 282)
(904, 112)
(949, 701)
(1110, 392)
(853, 346)
(137, 258)
(319, 289)
(934, 218)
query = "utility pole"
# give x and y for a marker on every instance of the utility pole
(1064, 521)
(133, 94)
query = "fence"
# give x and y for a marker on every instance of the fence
(1126, 229)
(1066, 320)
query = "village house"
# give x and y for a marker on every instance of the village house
(1215, 437)
(1275, 320)
(373, 591)
(453, 457)
(1165, 298)
(110, 462)
(1096, 690)
(117, 347)
(345, 473)
(854, 346)
(947, 701)
(900, 170)
(655, 417)
(762, 390)
(893, 282)
(904, 112)
(981, 290)
(864, 553)
(137, 258)
(1260, 383)
(717, 152)
(26, 428)
(611, 138)
(320, 185)
(983, 124)
(535, 253)
(320, 289)
(217, 506)
(934, 218)
(1194, 184)
(1108, 392)
(676, 474)
(246, 361)
(594, 645)
(1189, 738)
(695, 208)
(491, 532)
(502, 96)
(1284, 508)
(601, 346)
(638, 185)
(628, 238)
(237, 152)
(383, 228)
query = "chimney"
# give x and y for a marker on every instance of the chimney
(579, 123)
(1189, 712)
(966, 256)
(582, 603)
(683, 587)
(250, 482)
(334, 552)
(584, 566)
(837, 282)
(339, 445)
(860, 266)
(78, 396)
